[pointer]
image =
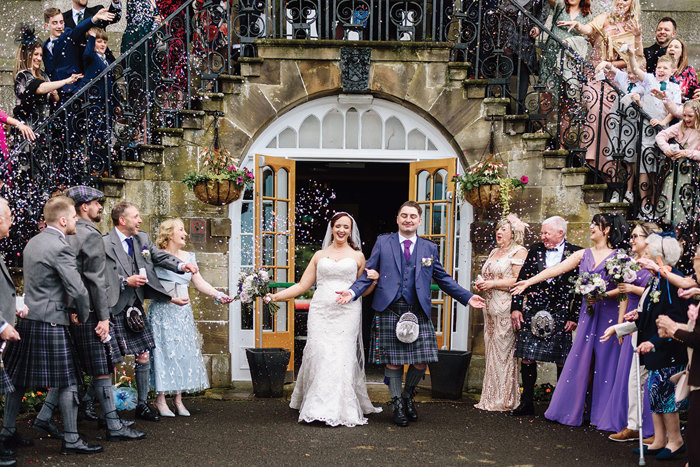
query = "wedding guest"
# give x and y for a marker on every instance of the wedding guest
(23, 128)
(588, 357)
(685, 75)
(80, 11)
(500, 390)
(621, 413)
(666, 31)
(178, 365)
(549, 342)
(662, 357)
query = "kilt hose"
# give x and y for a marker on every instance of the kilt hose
(387, 349)
(44, 357)
(96, 358)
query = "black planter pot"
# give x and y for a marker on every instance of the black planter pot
(448, 373)
(268, 368)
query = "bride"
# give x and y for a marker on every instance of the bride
(331, 385)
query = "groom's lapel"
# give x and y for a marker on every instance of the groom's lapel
(394, 245)
(418, 252)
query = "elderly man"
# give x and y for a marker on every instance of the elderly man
(545, 320)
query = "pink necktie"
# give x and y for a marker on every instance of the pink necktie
(407, 249)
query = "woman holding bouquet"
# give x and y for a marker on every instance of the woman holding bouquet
(331, 386)
(177, 363)
(620, 415)
(590, 366)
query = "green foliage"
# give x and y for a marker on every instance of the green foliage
(218, 165)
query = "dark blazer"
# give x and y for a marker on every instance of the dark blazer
(667, 352)
(93, 66)
(386, 259)
(7, 295)
(91, 262)
(50, 273)
(89, 13)
(119, 265)
(66, 58)
(556, 296)
(692, 340)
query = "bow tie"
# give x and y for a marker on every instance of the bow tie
(552, 249)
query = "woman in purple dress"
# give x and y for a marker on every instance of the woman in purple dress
(588, 374)
(620, 415)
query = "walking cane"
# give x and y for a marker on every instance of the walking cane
(640, 403)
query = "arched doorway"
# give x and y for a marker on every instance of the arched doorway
(352, 153)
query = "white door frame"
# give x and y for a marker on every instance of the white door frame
(436, 147)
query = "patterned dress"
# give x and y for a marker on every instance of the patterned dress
(688, 81)
(177, 365)
(500, 388)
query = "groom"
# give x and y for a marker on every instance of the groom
(406, 264)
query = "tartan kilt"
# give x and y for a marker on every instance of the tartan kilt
(387, 349)
(6, 385)
(130, 342)
(96, 358)
(44, 357)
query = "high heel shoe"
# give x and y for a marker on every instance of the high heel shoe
(181, 410)
(164, 410)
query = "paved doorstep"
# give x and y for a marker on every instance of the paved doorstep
(266, 432)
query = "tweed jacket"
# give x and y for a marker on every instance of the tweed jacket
(119, 264)
(7, 295)
(51, 274)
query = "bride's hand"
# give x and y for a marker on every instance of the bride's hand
(343, 297)
(268, 298)
(372, 274)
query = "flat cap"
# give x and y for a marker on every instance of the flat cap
(84, 194)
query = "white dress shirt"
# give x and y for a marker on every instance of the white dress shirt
(553, 257)
(123, 238)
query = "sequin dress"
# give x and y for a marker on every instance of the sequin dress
(501, 390)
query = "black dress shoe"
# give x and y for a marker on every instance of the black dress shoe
(525, 408)
(410, 408)
(87, 411)
(399, 413)
(14, 441)
(125, 434)
(48, 427)
(7, 452)
(144, 412)
(80, 447)
(102, 423)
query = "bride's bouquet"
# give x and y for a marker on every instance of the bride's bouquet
(590, 285)
(253, 285)
(622, 269)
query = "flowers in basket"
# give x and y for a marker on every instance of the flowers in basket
(591, 286)
(253, 285)
(622, 268)
(218, 165)
(489, 172)
(125, 395)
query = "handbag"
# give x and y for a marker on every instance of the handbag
(133, 318)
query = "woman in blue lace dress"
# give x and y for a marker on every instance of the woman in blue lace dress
(177, 363)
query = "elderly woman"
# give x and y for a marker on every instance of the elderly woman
(177, 359)
(500, 388)
(662, 357)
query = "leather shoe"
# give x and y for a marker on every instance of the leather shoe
(102, 423)
(125, 434)
(8, 462)
(647, 451)
(14, 441)
(144, 412)
(666, 454)
(410, 408)
(7, 452)
(399, 413)
(525, 408)
(80, 447)
(48, 427)
(87, 411)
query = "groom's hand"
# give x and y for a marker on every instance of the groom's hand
(343, 297)
(476, 301)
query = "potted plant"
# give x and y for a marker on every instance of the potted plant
(219, 182)
(486, 184)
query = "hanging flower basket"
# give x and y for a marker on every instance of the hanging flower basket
(486, 185)
(483, 196)
(217, 192)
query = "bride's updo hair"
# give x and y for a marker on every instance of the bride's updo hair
(619, 234)
(335, 218)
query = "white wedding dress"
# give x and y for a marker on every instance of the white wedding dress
(331, 384)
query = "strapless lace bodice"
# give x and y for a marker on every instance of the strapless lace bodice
(331, 273)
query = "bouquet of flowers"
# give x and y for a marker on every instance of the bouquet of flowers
(125, 395)
(590, 285)
(622, 268)
(254, 285)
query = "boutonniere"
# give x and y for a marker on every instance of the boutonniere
(655, 296)
(145, 252)
(426, 262)
(567, 253)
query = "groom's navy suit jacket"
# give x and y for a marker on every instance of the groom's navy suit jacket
(386, 259)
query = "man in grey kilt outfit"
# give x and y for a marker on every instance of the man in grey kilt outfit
(407, 264)
(546, 341)
(44, 357)
(8, 333)
(97, 357)
(128, 250)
